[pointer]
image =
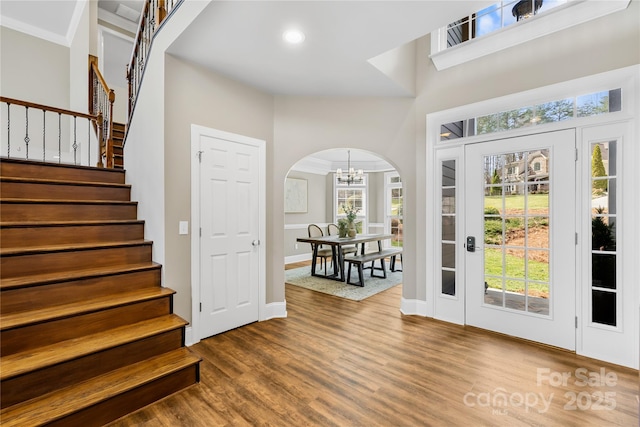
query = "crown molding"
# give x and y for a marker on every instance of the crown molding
(50, 36)
(40, 33)
(323, 167)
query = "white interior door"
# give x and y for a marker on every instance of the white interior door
(520, 209)
(229, 241)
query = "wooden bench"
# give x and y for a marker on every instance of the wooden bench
(360, 260)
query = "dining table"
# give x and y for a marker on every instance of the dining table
(336, 243)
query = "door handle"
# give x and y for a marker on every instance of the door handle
(471, 244)
(255, 243)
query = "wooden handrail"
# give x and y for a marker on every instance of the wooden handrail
(101, 100)
(14, 101)
(27, 135)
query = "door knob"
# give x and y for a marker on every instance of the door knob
(255, 243)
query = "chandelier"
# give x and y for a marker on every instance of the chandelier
(352, 176)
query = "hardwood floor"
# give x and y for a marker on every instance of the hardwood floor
(335, 362)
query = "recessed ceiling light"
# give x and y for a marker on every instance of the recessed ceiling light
(293, 36)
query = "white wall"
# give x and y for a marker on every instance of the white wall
(195, 96)
(33, 69)
(607, 43)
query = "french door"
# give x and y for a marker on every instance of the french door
(520, 237)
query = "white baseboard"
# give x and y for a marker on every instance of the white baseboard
(188, 337)
(271, 311)
(413, 307)
(297, 258)
(275, 310)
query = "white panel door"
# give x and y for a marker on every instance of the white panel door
(520, 209)
(229, 242)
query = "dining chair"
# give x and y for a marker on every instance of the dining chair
(323, 253)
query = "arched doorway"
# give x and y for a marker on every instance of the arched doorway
(314, 195)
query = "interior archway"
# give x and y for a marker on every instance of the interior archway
(379, 195)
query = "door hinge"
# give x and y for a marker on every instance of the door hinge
(199, 154)
(576, 322)
(576, 238)
(576, 154)
(201, 307)
(200, 231)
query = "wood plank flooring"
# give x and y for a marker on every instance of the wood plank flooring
(335, 362)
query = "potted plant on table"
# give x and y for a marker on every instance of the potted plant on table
(343, 228)
(352, 214)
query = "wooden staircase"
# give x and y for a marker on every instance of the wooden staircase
(118, 145)
(87, 333)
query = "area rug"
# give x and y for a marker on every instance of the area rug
(372, 285)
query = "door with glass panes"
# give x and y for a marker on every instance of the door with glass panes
(520, 237)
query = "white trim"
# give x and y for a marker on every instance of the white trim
(297, 258)
(196, 131)
(75, 20)
(626, 78)
(560, 18)
(622, 77)
(40, 33)
(188, 336)
(303, 226)
(64, 40)
(275, 310)
(413, 307)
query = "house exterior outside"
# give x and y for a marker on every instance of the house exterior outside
(176, 94)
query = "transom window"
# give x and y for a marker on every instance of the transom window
(592, 104)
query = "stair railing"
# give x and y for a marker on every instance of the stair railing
(153, 15)
(49, 134)
(101, 99)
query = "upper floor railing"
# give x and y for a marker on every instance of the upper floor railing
(153, 14)
(49, 134)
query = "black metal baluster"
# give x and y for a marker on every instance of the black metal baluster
(59, 137)
(44, 139)
(26, 136)
(8, 130)
(75, 144)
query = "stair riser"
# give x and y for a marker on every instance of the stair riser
(27, 190)
(33, 336)
(131, 401)
(24, 237)
(46, 380)
(14, 212)
(26, 169)
(37, 297)
(22, 265)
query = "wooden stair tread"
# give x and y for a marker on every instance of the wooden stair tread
(7, 224)
(63, 182)
(47, 278)
(34, 359)
(27, 250)
(89, 305)
(66, 401)
(67, 201)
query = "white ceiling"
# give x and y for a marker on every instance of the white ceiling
(243, 41)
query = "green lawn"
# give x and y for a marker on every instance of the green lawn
(536, 201)
(515, 269)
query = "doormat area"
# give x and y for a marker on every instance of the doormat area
(372, 285)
